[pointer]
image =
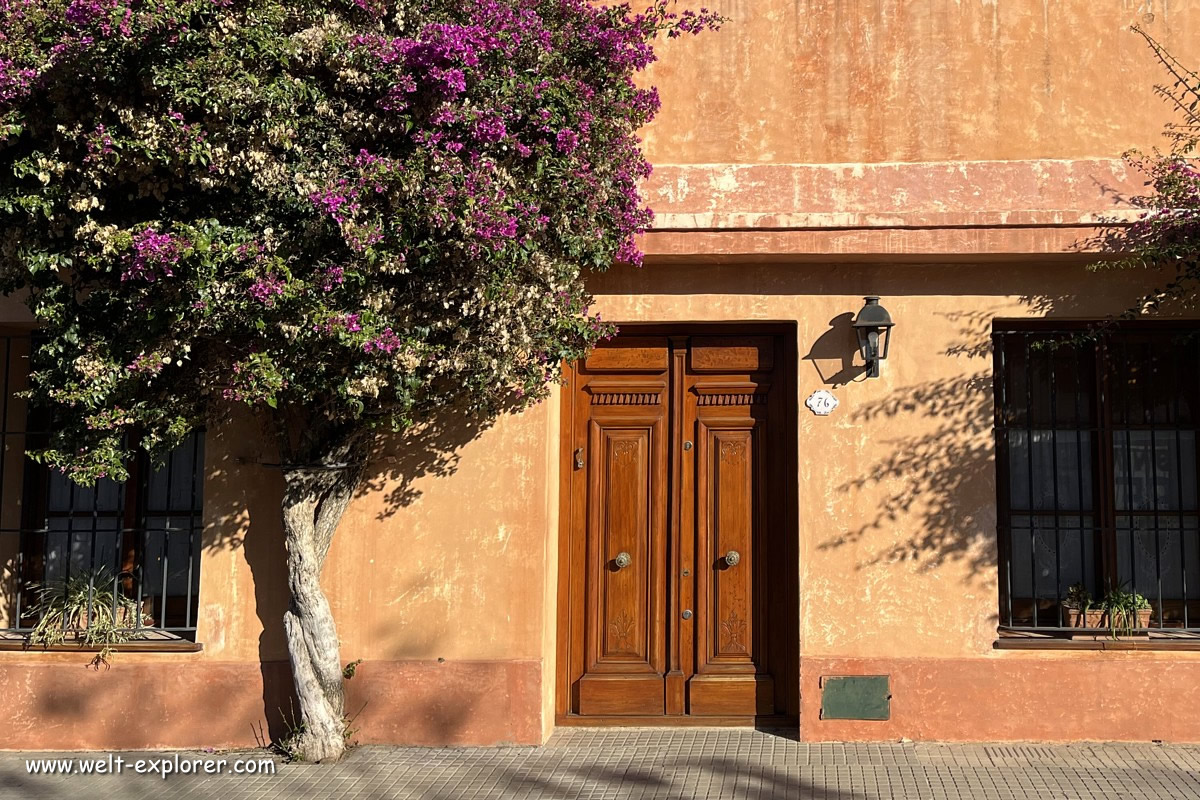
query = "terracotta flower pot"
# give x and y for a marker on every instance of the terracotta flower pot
(126, 618)
(1098, 618)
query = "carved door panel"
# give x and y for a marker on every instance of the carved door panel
(728, 406)
(679, 578)
(624, 457)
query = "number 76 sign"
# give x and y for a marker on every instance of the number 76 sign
(821, 403)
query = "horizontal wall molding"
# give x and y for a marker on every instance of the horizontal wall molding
(960, 207)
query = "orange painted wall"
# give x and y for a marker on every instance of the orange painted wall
(437, 579)
(953, 156)
(849, 81)
(897, 497)
(443, 583)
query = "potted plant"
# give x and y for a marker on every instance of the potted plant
(1126, 611)
(85, 609)
(1078, 611)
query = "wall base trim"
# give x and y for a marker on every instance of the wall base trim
(1017, 697)
(187, 705)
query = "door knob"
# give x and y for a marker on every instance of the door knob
(623, 560)
(732, 558)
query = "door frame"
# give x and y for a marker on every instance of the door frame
(787, 377)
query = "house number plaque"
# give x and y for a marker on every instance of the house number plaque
(821, 403)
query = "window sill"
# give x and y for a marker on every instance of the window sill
(155, 642)
(1015, 641)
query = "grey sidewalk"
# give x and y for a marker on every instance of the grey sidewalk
(693, 763)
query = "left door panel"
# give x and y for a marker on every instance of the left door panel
(624, 424)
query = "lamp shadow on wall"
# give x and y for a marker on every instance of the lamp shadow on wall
(940, 482)
(832, 354)
(244, 513)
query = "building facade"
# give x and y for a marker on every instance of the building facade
(677, 537)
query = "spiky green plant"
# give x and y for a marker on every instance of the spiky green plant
(1121, 606)
(83, 608)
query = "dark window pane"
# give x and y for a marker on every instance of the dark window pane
(1154, 470)
(1057, 470)
(1050, 552)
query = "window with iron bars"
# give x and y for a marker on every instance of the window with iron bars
(1096, 458)
(140, 538)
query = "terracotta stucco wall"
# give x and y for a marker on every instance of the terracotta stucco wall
(846, 81)
(778, 149)
(437, 578)
(440, 579)
(897, 517)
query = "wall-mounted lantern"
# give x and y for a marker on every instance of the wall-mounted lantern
(872, 323)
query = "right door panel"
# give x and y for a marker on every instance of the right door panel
(730, 419)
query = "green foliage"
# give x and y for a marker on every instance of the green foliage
(1121, 607)
(84, 609)
(1079, 597)
(342, 217)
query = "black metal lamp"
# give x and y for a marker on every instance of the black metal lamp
(873, 322)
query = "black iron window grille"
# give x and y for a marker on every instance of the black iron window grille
(134, 545)
(1096, 458)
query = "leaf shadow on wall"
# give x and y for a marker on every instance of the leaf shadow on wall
(932, 472)
(940, 481)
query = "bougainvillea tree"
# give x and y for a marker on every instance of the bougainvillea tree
(1167, 237)
(343, 214)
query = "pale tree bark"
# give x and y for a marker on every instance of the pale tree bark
(315, 497)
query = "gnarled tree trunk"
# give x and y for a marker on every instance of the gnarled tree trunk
(314, 500)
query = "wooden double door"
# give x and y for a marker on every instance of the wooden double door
(678, 562)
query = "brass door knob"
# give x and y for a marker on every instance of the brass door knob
(732, 558)
(623, 560)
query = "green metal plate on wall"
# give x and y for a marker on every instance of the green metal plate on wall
(855, 697)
